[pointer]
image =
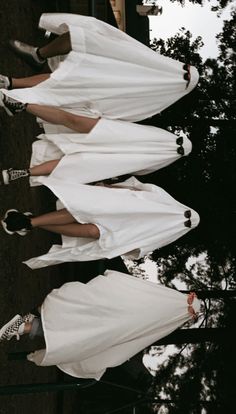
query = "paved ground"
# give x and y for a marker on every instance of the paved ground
(22, 288)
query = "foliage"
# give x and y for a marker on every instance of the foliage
(206, 180)
(205, 258)
(218, 7)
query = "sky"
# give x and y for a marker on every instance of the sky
(200, 20)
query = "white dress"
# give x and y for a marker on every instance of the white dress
(111, 149)
(133, 220)
(107, 73)
(90, 327)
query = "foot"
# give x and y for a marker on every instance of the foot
(5, 82)
(11, 175)
(10, 105)
(15, 327)
(15, 222)
(28, 53)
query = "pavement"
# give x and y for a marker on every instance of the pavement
(22, 288)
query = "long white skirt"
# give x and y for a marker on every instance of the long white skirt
(111, 149)
(107, 73)
(133, 218)
(91, 327)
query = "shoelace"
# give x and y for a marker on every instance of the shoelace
(12, 104)
(13, 330)
(15, 174)
(28, 317)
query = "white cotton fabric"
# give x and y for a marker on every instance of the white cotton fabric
(111, 149)
(136, 219)
(91, 327)
(107, 73)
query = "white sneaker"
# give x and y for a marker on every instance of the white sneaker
(12, 175)
(11, 329)
(4, 82)
(14, 327)
(11, 106)
(27, 52)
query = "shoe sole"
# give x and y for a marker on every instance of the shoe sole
(19, 232)
(4, 328)
(5, 177)
(4, 225)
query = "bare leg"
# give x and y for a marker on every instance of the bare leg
(62, 222)
(29, 81)
(59, 217)
(59, 46)
(75, 230)
(44, 169)
(57, 116)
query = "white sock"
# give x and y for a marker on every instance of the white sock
(21, 329)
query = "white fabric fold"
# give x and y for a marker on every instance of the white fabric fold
(91, 327)
(111, 149)
(135, 219)
(107, 73)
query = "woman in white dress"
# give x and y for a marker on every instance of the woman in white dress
(97, 149)
(99, 71)
(102, 323)
(129, 218)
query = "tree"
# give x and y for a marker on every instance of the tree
(205, 259)
(220, 4)
(206, 179)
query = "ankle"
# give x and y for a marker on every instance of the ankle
(27, 328)
(39, 54)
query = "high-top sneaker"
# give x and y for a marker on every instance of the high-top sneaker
(12, 175)
(11, 106)
(15, 327)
